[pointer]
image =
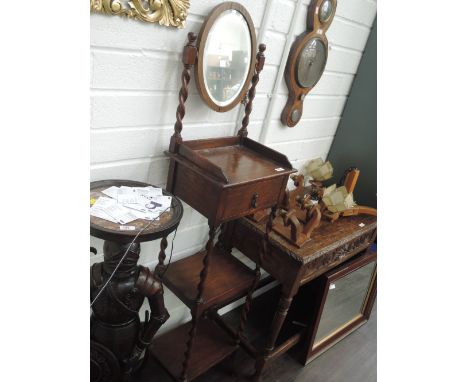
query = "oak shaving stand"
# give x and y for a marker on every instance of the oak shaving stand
(223, 179)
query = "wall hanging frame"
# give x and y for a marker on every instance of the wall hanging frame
(170, 13)
(307, 59)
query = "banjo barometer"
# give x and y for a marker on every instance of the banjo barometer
(307, 59)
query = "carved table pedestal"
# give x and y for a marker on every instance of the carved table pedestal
(118, 338)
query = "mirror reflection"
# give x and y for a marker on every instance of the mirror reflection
(226, 57)
(345, 300)
(325, 11)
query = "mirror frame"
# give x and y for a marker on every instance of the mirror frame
(171, 13)
(203, 35)
(311, 349)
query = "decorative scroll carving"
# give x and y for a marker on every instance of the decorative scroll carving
(164, 12)
(342, 251)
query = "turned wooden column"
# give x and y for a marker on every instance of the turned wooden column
(189, 58)
(278, 321)
(159, 271)
(199, 301)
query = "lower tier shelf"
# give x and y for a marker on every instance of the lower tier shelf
(211, 345)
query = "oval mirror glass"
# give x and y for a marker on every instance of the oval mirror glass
(227, 57)
(325, 11)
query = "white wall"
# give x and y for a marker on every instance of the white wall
(135, 78)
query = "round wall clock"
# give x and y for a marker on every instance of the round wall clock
(307, 59)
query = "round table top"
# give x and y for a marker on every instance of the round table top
(107, 230)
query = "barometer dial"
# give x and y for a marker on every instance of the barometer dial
(311, 63)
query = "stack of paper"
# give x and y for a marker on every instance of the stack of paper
(125, 204)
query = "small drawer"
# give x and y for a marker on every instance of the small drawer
(244, 200)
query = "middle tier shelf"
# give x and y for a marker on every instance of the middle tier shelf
(228, 279)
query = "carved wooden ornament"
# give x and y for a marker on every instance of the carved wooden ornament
(164, 12)
(307, 59)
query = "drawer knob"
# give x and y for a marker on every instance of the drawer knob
(253, 203)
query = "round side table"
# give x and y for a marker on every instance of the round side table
(115, 323)
(161, 228)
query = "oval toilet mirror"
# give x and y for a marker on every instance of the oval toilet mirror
(226, 56)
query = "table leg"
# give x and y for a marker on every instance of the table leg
(160, 268)
(278, 321)
(199, 302)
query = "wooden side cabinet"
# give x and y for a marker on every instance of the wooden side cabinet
(345, 299)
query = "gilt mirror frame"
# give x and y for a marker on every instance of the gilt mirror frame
(201, 43)
(170, 13)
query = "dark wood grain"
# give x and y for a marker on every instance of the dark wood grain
(248, 172)
(228, 279)
(327, 237)
(188, 59)
(251, 96)
(241, 164)
(223, 179)
(203, 163)
(331, 244)
(267, 152)
(200, 191)
(354, 359)
(211, 345)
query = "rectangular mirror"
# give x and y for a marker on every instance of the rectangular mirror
(346, 302)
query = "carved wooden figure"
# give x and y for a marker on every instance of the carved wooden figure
(115, 322)
(299, 215)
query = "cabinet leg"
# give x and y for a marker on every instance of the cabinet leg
(199, 301)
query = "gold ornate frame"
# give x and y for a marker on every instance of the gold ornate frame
(164, 12)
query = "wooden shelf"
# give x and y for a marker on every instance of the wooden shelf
(228, 279)
(211, 346)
